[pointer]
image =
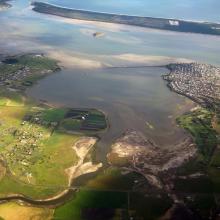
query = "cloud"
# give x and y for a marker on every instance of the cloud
(129, 59)
(73, 61)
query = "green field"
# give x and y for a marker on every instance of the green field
(113, 197)
(84, 120)
(32, 152)
(30, 144)
(203, 125)
(11, 210)
(199, 124)
(36, 146)
(99, 205)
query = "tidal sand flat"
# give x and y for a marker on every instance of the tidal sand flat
(105, 137)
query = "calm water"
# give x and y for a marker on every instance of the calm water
(25, 30)
(130, 96)
(188, 9)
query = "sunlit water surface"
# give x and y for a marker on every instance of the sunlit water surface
(131, 97)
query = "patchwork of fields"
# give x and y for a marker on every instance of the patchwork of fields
(37, 141)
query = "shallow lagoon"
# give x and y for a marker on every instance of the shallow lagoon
(131, 97)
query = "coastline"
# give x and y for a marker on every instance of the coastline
(147, 22)
(64, 192)
(75, 170)
(134, 15)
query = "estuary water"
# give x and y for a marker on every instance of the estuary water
(188, 9)
(97, 72)
(132, 98)
(112, 73)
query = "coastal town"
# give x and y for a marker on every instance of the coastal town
(20, 71)
(199, 82)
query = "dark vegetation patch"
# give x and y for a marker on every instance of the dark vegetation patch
(149, 207)
(201, 190)
(115, 179)
(113, 205)
(182, 212)
(10, 61)
(84, 120)
(69, 120)
(199, 124)
(97, 213)
(204, 205)
(101, 202)
(201, 184)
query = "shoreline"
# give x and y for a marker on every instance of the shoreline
(146, 22)
(66, 191)
(54, 200)
(134, 15)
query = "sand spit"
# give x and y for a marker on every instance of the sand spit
(82, 148)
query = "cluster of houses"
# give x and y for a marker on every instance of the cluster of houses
(14, 75)
(25, 146)
(8, 78)
(200, 82)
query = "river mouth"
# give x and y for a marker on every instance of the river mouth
(132, 98)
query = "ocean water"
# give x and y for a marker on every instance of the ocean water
(25, 30)
(208, 10)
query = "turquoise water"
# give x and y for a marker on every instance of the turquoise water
(188, 9)
(25, 30)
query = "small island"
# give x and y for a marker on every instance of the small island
(98, 34)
